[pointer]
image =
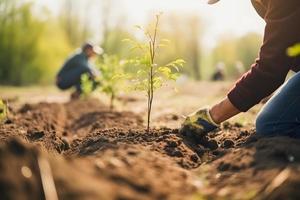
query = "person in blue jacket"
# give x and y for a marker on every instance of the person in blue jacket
(69, 76)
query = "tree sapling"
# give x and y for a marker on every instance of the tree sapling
(86, 85)
(149, 74)
(112, 76)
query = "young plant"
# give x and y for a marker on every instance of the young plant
(3, 111)
(87, 85)
(111, 78)
(149, 74)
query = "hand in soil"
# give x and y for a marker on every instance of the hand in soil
(198, 124)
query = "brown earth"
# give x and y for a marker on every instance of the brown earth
(95, 153)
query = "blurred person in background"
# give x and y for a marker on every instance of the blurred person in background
(219, 74)
(69, 76)
(281, 114)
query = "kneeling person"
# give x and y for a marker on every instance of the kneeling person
(75, 66)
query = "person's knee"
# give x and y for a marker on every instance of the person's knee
(262, 124)
(61, 85)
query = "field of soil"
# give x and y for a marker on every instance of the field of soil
(82, 150)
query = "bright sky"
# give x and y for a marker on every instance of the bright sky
(228, 16)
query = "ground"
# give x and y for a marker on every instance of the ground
(51, 147)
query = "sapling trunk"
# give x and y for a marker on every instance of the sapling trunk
(112, 99)
(112, 70)
(152, 51)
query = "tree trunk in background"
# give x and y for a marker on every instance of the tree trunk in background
(195, 53)
(76, 24)
(185, 33)
(195, 61)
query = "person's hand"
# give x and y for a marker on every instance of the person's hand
(198, 124)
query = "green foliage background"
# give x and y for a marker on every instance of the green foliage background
(28, 51)
(35, 42)
(232, 50)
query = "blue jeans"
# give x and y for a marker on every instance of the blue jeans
(281, 114)
(72, 78)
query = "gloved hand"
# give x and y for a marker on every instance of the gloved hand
(199, 123)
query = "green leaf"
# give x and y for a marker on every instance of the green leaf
(141, 72)
(174, 76)
(145, 61)
(86, 85)
(157, 82)
(126, 40)
(294, 50)
(166, 41)
(162, 45)
(165, 71)
(177, 63)
(3, 111)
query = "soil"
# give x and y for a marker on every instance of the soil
(96, 153)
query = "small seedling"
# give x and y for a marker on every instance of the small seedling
(150, 75)
(3, 111)
(86, 85)
(111, 78)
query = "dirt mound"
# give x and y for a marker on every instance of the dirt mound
(102, 120)
(50, 124)
(126, 172)
(100, 154)
(40, 123)
(164, 141)
(256, 166)
(185, 151)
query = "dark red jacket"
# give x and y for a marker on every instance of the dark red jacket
(271, 68)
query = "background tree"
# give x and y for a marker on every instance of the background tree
(247, 48)
(29, 51)
(234, 51)
(185, 32)
(113, 30)
(18, 48)
(75, 21)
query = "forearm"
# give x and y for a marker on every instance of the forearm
(223, 111)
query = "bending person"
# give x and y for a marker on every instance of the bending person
(281, 115)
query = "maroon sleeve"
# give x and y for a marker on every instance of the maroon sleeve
(271, 68)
